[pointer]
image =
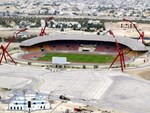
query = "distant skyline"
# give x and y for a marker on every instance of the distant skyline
(78, 0)
(98, 8)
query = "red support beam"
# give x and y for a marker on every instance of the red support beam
(121, 60)
(141, 34)
(42, 33)
(4, 49)
(114, 61)
(120, 53)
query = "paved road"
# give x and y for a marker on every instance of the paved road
(101, 88)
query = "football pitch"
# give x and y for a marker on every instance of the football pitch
(85, 58)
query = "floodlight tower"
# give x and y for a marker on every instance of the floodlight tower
(43, 26)
(4, 49)
(120, 53)
(140, 33)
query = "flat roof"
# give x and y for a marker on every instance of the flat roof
(131, 43)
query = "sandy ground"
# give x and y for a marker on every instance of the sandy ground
(131, 32)
(35, 31)
(144, 73)
(113, 26)
(9, 33)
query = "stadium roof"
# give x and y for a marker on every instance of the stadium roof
(131, 43)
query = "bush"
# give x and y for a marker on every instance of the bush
(84, 67)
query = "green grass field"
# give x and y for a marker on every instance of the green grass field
(85, 58)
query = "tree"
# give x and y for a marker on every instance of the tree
(62, 28)
(37, 23)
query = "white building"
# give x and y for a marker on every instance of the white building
(30, 102)
(94, 22)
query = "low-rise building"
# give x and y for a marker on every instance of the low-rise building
(29, 102)
(126, 24)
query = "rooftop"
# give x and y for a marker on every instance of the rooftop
(131, 43)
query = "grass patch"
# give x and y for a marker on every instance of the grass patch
(86, 58)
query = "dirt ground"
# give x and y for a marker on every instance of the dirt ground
(118, 31)
(128, 32)
(144, 73)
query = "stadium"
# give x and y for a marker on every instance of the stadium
(81, 49)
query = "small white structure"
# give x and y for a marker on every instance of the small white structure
(43, 23)
(30, 102)
(59, 60)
